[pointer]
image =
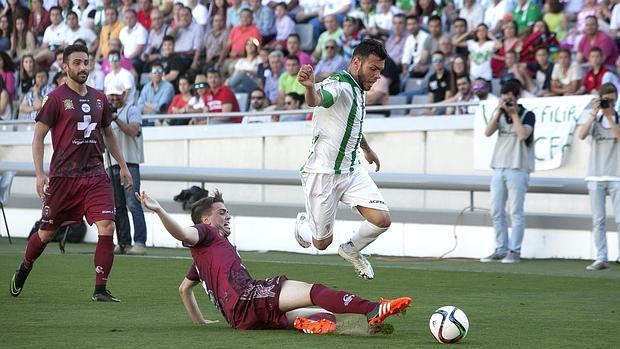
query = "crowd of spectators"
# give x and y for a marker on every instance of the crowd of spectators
(194, 56)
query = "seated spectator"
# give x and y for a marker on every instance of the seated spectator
(7, 73)
(328, 7)
(526, 13)
(188, 35)
(196, 104)
(383, 19)
(555, 19)
(482, 90)
(425, 9)
(593, 79)
(111, 30)
(56, 66)
(494, 13)
(239, 35)
(99, 20)
(284, 25)
(156, 95)
(76, 32)
(59, 79)
(143, 13)
(6, 111)
(264, 19)
(5, 34)
(540, 36)
(332, 32)
(395, 43)
(293, 47)
(514, 70)
(213, 45)
(26, 75)
(352, 35)
(85, 12)
(510, 42)
(155, 38)
(244, 76)
(431, 44)
(460, 35)
(125, 5)
(472, 13)
(33, 99)
(481, 49)
(445, 46)
(365, 13)
(566, 75)
(173, 65)
(115, 45)
(307, 10)
(133, 37)
(179, 104)
(220, 98)
(258, 102)
(293, 101)
(23, 41)
(438, 82)
(613, 78)
(263, 65)
(332, 63)
(288, 81)
(54, 37)
(541, 69)
(412, 53)
(233, 13)
(38, 19)
(593, 37)
(459, 67)
(121, 77)
(464, 94)
(272, 77)
(96, 77)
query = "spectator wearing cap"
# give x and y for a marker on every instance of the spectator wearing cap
(239, 35)
(288, 81)
(214, 43)
(54, 37)
(188, 35)
(77, 31)
(272, 76)
(220, 98)
(197, 104)
(264, 19)
(121, 77)
(172, 63)
(332, 32)
(332, 63)
(111, 30)
(156, 94)
(159, 29)
(593, 37)
(133, 36)
(143, 14)
(244, 76)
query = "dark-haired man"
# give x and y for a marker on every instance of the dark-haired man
(332, 172)
(76, 115)
(249, 304)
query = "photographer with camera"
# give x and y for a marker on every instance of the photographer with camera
(512, 162)
(603, 174)
(127, 127)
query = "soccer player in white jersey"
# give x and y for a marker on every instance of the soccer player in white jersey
(332, 172)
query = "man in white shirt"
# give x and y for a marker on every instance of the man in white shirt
(412, 53)
(188, 35)
(494, 14)
(121, 77)
(76, 31)
(133, 36)
(53, 38)
(199, 12)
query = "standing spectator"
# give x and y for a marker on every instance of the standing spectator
(188, 35)
(525, 13)
(352, 35)
(593, 37)
(264, 19)
(284, 25)
(213, 44)
(120, 76)
(6, 111)
(512, 162)
(26, 75)
(603, 168)
(244, 76)
(412, 53)
(85, 12)
(33, 99)
(96, 77)
(54, 37)
(220, 99)
(495, 12)
(288, 81)
(438, 82)
(23, 41)
(556, 19)
(159, 29)
(464, 93)
(179, 104)
(133, 36)
(540, 36)
(76, 31)
(7, 73)
(293, 43)
(510, 42)
(258, 102)
(332, 63)
(239, 35)
(38, 20)
(395, 43)
(111, 30)
(566, 76)
(156, 95)
(127, 127)
(472, 13)
(481, 49)
(143, 14)
(170, 61)
(459, 28)
(593, 79)
(542, 69)
(332, 31)
(272, 76)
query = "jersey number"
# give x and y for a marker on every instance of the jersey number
(86, 126)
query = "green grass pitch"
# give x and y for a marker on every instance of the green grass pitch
(535, 304)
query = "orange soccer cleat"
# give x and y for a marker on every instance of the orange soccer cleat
(322, 326)
(386, 308)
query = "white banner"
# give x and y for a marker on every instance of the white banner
(556, 118)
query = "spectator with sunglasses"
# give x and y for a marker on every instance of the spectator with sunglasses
(196, 104)
(156, 95)
(332, 62)
(259, 102)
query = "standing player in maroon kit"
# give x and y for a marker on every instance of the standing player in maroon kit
(78, 184)
(249, 304)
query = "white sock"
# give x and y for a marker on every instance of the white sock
(366, 234)
(304, 231)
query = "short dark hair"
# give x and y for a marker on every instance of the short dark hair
(543, 47)
(240, 12)
(438, 52)
(460, 19)
(414, 17)
(203, 206)
(55, 8)
(168, 38)
(399, 15)
(463, 76)
(606, 88)
(565, 50)
(293, 57)
(280, 4)
(111, 8)
(596, 49)
(294, 35)
(434, 18)
(72, 49)
(512, 86)
(297, 97)
(114, 52)
(79, 42)
(72, 13)
(370, 47)
(259, 90)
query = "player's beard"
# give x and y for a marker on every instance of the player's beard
(79, 77)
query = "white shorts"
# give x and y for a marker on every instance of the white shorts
(323, 191)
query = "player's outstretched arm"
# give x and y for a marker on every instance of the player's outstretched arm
(189, 301)
(189, 235)
(115, 151)
(40, 131)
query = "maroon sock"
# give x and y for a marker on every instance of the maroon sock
(104, 257)
(339, 302)
(323, 316)
(33, 250)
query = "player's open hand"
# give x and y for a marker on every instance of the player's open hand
(126, 180)
(372, 157)
(305, 76)
(148, 201)
(42, 185)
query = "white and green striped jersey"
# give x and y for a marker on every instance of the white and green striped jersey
(337, 126)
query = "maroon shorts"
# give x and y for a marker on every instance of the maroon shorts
(68, 199)
(258, 307)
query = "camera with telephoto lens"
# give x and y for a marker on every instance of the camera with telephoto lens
(113, 109)
(604, 103)
(509, 103)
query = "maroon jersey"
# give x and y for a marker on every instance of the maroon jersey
(75, 122)
(223, 275)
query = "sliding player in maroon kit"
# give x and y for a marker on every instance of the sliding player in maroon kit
(78, 184)
(249, 304)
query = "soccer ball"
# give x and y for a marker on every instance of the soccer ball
(448, 324)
